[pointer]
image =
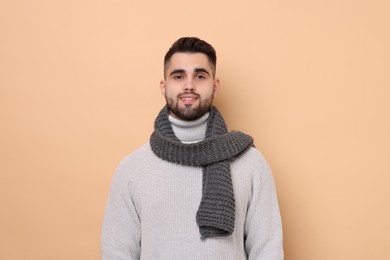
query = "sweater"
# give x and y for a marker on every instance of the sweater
(152, 205)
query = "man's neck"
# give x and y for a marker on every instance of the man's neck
(189, 131)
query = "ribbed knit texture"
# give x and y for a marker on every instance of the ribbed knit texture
(151, 209)
(189, 132)
(216, 213)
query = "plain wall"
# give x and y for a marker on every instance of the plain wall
(79, 90)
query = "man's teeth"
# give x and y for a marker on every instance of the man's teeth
(188, 98)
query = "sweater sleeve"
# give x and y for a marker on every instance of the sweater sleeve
(120, 238)
(263, 227)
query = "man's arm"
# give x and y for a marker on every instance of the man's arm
(263, 227)
(121, 226)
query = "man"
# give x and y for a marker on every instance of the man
(195, 190)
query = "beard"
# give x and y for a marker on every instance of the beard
(189, 112)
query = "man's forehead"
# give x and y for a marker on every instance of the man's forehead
(189, 62)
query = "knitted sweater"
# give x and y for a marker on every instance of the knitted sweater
(151, 210)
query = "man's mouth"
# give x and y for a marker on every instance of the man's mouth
(188, 98)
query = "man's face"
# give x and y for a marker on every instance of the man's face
(189, 86)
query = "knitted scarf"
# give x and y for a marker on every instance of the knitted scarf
(216, 212)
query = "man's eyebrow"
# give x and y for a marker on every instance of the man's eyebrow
(177, 71)
(202, 70)
(196, 70)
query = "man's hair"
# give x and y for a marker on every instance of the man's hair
(191, 45)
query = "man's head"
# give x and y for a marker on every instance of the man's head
(189, 84)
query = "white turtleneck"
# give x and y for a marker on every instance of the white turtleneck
(189, 131)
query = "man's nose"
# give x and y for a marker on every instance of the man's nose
(189, 85)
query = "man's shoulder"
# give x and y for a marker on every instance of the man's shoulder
(252, 160)
(138, 156)
(253, 154)
(133, 164)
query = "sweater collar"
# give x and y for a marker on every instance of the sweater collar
(189, 131)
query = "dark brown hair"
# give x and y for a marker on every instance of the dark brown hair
(191, 45)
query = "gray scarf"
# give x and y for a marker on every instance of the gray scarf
(216, 212)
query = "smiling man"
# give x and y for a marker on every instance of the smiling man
(190, 85)
(195, 190)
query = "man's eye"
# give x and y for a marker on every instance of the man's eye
(200, 76)
(178, 77)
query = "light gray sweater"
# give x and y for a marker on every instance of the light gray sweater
(151, 210)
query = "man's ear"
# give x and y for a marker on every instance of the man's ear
(217, 86)
(162, 87)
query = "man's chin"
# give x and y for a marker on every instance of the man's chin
(188, 113)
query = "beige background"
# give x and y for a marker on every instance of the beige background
(79, 89)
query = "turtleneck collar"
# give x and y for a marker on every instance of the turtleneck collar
(189, 131)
